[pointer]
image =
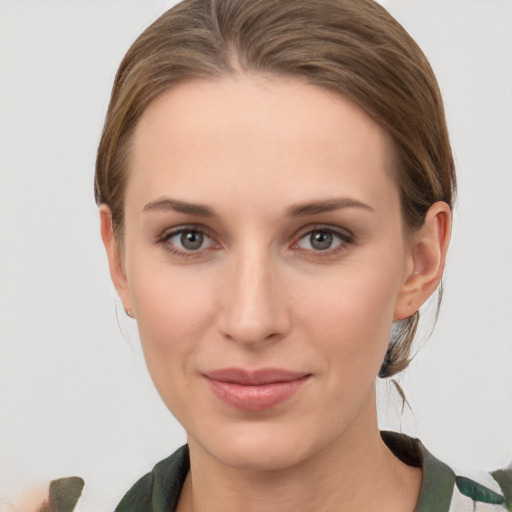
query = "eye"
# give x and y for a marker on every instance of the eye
(186, 240)
(190, 240)
(323, 240)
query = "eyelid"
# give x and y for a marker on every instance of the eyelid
(346, 237)
(164, 237)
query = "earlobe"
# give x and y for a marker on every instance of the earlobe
(428, 253)
(115, 263)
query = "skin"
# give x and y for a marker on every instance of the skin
(258, 293)
(34, 499)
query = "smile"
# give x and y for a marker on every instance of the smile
(256, 390)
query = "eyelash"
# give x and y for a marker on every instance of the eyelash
(344, 236)
(165, 237)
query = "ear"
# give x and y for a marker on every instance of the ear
(427, 256)
(115, 262)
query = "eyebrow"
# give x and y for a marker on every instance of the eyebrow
(165, 204)
(296, 210)
(327, 205)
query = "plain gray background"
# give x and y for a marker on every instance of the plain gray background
(74, 394)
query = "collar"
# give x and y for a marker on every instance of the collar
(438, 479)
(159, 490)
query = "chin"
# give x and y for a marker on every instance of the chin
(260, 447)
(261, 456)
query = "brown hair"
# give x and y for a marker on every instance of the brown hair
(353, 47)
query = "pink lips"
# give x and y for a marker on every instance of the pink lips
(254, 390)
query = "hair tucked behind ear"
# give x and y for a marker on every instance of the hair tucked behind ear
(398, 355)
(352, 47)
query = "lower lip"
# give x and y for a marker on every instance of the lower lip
(255, 397)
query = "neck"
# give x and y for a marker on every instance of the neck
(355, 472)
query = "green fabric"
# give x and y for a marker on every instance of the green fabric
(63, 495)
(477, 492)
(159, 491)
(437, 486)
(504, 479)
(438, 479)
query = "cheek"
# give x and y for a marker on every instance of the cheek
(351, 314)
(174, 310)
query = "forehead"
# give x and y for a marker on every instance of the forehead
(250, 133)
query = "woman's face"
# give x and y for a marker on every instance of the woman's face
(265, 262)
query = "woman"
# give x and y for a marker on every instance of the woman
(275, 185)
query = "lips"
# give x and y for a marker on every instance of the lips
(255, 390)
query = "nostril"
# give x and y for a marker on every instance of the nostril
(254, 329)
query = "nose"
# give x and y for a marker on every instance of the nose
(254, 306)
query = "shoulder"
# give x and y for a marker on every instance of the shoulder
(446, 490)
(159, 490)
(469, 491)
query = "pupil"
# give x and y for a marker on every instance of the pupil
(192, 240)
(321, 240)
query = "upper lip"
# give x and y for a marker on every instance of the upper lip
(254, 377)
